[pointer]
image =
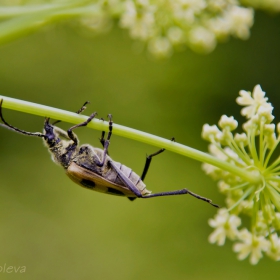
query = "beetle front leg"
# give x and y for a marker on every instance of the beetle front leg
(70, 130)
(78, 112)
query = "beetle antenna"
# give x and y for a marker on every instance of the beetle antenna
(203, 198)
(78, 112)
(15, 128)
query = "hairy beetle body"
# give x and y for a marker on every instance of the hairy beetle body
(88, 157)
(81, 165)
(109, 184)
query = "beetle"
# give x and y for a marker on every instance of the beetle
(92, 167)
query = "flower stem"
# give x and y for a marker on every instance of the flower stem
(24, 20)
(66, 116)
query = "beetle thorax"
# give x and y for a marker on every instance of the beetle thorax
(63, 153)
(61, 147)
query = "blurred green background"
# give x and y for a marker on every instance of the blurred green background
(61, 231)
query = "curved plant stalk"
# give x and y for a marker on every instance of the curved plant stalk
(66, 116)
(25, 20)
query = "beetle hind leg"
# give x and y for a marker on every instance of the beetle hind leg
(132, 187)
(180, 192)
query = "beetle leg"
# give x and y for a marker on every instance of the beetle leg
(183, 191)
(102, 139)
(15, 128)
(78, 112)
(70, 130)
(106, 142)
(134, 189)
(83, 107)
(149, 159)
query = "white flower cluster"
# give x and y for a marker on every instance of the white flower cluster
(253, 151)
(165, 25)
(162, 26)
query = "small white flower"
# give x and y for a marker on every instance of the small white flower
(274, 248)
(215, 151)
(252, 103)
(175, 35)
(186, 10)
(270, 139)
(265, 113)
(261, 224)
(251, 245)
(210, 132)
(231, 154)
(228, 122)
(241, 20)
(269, 128)
(223, 187)
(225, 226)
(247, 206)
(216, 5)
(220, 27)
(241, 139)
(139, 19)
(212, 171)
(247, 126)
(202, 40)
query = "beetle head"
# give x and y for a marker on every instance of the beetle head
(50, 137)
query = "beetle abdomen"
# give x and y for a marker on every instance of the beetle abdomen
(95, 182)
(89, 157)
(131, 175)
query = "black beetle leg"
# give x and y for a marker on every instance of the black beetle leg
(70, 130)
(137, 192)
(15, 128)
(102, 138)
(183, 191)
(106, 142)
(78, 112)
(149, 159)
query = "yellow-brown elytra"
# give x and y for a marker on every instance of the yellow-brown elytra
(93, 168)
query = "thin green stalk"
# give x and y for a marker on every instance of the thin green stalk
(30, 21)
(14, 11)
(58, 114)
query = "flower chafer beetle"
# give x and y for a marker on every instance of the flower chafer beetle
(92, 167)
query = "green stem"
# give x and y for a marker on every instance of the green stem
(245, 195)
(31, 20)
(13, 11)
(58, 114)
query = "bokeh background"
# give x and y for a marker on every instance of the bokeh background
(61, 231)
